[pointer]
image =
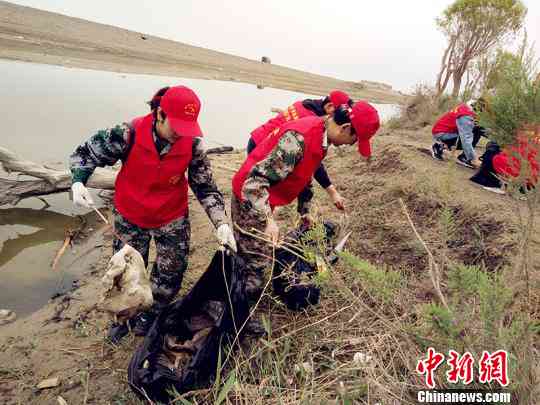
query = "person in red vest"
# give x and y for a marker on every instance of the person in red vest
(508, 163)
(151, 189)
(301, 109)
(515, 163)
(277, 171)
(458, 127)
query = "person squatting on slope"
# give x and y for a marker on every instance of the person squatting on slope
(458, 128)
(277, 171)
(302, 109)
(151, 189)
(519, 161)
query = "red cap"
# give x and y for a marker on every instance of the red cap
(365, 121)
(338, 97)
(182, 107)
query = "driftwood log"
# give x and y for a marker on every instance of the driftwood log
(220, 149)
(48, 180)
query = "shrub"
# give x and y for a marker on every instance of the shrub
(515, 102)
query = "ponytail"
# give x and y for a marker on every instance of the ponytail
(342, 114)
(155, 102)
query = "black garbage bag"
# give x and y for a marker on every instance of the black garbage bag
(182, 347)
(485, 176)
(292, 276)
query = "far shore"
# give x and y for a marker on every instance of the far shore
(32, 35)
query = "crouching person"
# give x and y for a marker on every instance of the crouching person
(151, 190)
(301, 109)
(517, 163)
(457, 128)
(278, 169)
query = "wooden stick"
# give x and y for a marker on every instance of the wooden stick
(433, 266)
(110, 225)
(101, 216)
(67, 240)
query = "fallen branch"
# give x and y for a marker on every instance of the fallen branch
(71, 235)
(433, 266)
(220, 149)
(67, 241)
(50, 181)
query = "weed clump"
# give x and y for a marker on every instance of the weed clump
(423, 108)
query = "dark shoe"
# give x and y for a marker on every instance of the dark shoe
(141, 323)
(437, 150)
(117, 331)
(254, 327)
(463, 161)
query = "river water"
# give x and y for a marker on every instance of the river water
(47, 111)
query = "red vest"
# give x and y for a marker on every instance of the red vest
(293, 112)
(151, 192)
(508, 162)
(282, 193)
(447, 123)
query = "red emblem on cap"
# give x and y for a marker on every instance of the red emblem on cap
(190, 109)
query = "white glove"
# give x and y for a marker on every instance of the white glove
(225, 236)
(81, 195)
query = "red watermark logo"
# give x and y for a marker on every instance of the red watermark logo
(491, 367)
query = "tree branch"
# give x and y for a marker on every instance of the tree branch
(50, 181)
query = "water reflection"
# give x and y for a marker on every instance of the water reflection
(29, 240)
(51, 228)
(68, 105)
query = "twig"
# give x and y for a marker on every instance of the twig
(281, 244)
(433, 266)
(110, 225)
(87, 387)
(67, 240)
(271, 342)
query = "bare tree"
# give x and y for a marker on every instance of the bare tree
(473, 27)
(485, 72)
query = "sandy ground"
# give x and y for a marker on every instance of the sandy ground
(32, 35)
(66, 338)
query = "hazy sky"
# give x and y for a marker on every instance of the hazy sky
(390, 41)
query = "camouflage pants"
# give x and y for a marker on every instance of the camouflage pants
(256, 253)
(172, 250)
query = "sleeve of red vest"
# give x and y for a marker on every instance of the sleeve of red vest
(279, 163)
(304, 200)
(201, 181)
(322, 177)
(104, 148)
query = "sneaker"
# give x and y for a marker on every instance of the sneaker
(496, 190)
(437, 151)
(463, 161)
(141, 323)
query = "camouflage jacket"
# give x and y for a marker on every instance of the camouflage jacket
(276, 167)
(108, 146)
